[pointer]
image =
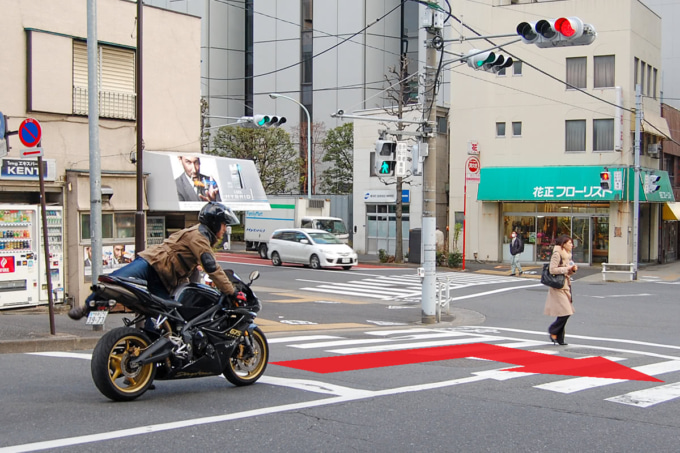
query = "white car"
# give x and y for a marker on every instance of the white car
(315, 248)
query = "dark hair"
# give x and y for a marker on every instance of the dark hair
(562, 240)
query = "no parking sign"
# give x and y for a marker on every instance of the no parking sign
(30, 134)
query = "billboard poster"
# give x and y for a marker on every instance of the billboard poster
(186, 181)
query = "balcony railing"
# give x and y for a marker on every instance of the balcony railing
(112, 104)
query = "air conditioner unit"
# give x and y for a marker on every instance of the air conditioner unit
(653, 149)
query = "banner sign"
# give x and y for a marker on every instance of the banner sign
(27, 169)
(186, 181)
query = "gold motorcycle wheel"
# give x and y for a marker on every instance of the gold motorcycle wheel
(112, 370)
(245, 366)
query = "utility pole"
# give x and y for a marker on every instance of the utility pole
(140, 224)
(428, 298)
(636, 182)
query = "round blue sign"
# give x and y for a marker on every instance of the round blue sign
(30, 133)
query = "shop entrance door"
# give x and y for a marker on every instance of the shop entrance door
(580, 228)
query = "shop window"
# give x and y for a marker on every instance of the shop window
(576, 72)
(114, 226)
(575, 135)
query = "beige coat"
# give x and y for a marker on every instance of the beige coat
(559, 302)
(177, 257)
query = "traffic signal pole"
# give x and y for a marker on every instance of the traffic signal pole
(429, 288)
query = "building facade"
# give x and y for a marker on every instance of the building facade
(45, 77)
(543, 143)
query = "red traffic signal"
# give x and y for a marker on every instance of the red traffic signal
(605, 180)
(561, 32)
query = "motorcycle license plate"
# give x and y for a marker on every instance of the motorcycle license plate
(96, 318)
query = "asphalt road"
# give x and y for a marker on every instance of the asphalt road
(435, 405)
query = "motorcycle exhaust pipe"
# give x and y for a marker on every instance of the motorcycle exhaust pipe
(157, 352)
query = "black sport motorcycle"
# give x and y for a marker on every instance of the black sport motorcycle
(201, 332)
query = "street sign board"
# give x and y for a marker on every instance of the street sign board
(402, 158)
(30, 133)
(472, 168)
(32, 152)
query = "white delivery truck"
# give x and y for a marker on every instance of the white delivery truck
(287, 212)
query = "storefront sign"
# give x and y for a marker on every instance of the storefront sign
(380, 196)
(186, 181)
(562, 184)
(27, 169)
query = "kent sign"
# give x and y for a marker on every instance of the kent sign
(27, 169)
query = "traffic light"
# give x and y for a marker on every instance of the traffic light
(268, 120)
(605, 180)
(487, 61)
(562, 32)
(651, 183)
(385, 159)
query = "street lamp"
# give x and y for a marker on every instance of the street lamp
(309, 140)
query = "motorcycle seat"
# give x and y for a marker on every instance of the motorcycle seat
(168, 303)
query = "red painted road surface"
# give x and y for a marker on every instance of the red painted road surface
(530, 362)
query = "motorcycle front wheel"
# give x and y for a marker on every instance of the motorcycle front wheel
(112, 371)
(245, 366)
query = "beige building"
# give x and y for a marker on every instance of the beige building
(44, 76)
(543, 144)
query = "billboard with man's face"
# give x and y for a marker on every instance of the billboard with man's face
(186, 181)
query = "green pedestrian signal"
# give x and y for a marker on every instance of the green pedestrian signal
(385, 159)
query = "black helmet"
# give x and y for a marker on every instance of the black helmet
(214, 214)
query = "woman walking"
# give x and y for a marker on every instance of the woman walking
(559, 301)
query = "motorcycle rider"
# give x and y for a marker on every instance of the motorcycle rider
(166, 265)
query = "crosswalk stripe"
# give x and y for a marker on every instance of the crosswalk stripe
(585, 383)
(424, 344)
(346, 293)
(300, 338)
(649, 397)
(328, 344)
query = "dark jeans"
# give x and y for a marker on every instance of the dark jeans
(141, 269)
(557, 327)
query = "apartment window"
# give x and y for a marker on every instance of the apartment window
(649, 81)
(604, 71)
(576, 72)
(115, 78)
(575, 135)
(516, 128)
(603, 135)
(500, 129)
(372, 165)
(636, 68)
(442, 126)
(643, 65)
(654, 83)
(517, 68)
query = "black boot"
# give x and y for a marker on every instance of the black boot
(560, 339)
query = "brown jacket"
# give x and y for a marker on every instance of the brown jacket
(559, 302)
(178, 256)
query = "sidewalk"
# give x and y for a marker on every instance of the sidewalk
(28, 329)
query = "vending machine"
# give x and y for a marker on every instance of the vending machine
(55, 239)
(18, 256)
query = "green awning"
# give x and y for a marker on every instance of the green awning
(557, 184)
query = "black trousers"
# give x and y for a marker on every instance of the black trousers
(557, 327)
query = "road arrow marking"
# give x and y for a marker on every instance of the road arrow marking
(527, 361)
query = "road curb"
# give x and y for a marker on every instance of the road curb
(56, 343)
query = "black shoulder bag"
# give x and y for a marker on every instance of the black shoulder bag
(551, 280)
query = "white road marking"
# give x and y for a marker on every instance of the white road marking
(649, 397)
(330, 344)
(585, 383)
(300, 338)
(424, 344)
(68, 355)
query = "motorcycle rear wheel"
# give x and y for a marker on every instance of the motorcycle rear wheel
(242, 370)
(112, 373)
